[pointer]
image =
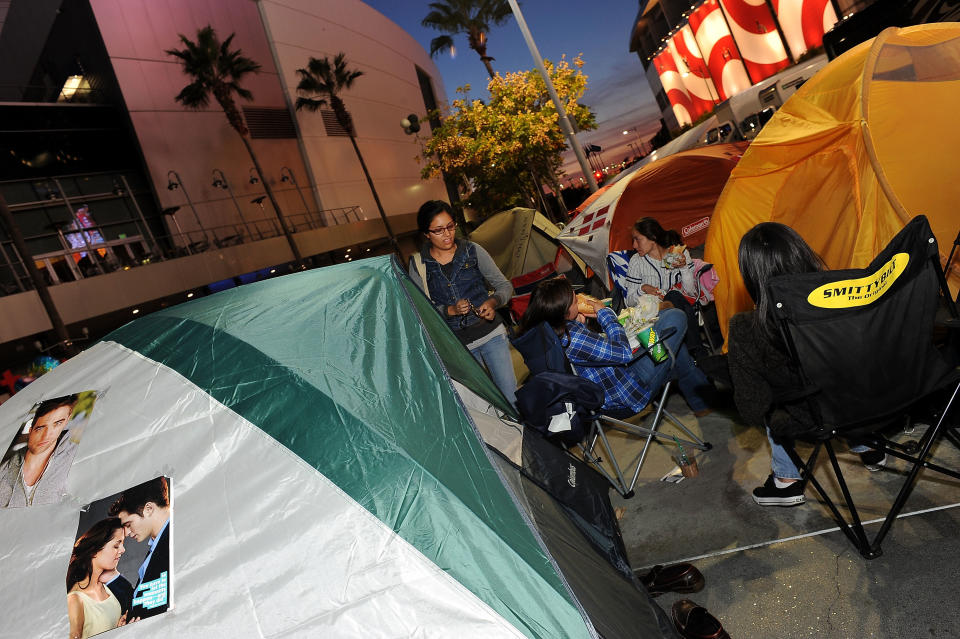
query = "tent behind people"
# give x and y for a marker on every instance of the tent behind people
(862, 147)
(521, 241)
(680, 191)
(326, 477)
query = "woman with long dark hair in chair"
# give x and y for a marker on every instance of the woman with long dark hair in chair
(627, 382)
(655, 269)
(759, 364)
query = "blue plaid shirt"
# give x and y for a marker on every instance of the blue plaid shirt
(621, 389)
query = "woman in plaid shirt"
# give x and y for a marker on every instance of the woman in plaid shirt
(627, 385)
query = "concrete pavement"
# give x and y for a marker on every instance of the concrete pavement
(787, 572)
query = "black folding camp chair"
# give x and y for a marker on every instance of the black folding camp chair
(554, 385)
(862, 342)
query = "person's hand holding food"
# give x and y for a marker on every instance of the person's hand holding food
(652, 290)
(589, 305)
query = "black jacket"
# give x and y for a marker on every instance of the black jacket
(761, 372)
(546, 394)
(152, 594)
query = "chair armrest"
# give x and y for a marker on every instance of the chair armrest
(637, 354)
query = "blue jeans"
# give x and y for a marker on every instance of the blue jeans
(691, 381)
(495, 355)
(780, 462)
(784, 468)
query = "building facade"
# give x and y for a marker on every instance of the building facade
(698, 54)
(125, 197)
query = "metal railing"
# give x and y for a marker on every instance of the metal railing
(101, 249)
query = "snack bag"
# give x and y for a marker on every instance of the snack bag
(647, 339)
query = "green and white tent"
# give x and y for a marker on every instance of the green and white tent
(327, 477)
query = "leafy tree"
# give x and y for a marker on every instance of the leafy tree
(472, 17)
(492, 144)
(324, 80)
(217, 70)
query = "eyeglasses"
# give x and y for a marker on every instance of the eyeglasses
(449, 228)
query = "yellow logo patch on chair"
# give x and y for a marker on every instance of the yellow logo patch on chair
(862, 290)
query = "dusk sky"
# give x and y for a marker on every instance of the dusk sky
(617, 90)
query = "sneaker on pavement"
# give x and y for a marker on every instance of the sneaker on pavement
(873, 460)
(770, 495)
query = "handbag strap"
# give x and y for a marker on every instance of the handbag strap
(422, 272)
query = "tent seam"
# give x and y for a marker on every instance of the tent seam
(255, 430)
(513, 497)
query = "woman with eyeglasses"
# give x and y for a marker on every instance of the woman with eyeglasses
(457, 276)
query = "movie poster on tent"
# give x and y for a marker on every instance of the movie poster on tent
(35, 466)
(119, 569)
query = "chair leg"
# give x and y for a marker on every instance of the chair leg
(660, 411)
(653, 431)
(697, 442)
(619, 483)
(854, 529)
(806, 472)
(856, 526)
(706, 330)
(907, 487)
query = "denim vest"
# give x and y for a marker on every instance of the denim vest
(466, 283)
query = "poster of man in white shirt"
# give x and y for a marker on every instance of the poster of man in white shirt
(34, 468)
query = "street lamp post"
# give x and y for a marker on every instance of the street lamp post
(288, 176)
(561, 112)
(636, 134)
(175, 183)
(146, 227)
(222, 183)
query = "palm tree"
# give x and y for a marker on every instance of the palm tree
(324, 80)
(217, 70)
(473, 17)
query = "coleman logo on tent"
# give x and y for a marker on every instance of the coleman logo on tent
(861, 291)
(695, 227)
(572, 476)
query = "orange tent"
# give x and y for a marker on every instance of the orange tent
(680, 191)
(864, 146)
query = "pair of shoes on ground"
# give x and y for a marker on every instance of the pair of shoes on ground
(695, 622)
(676, 578)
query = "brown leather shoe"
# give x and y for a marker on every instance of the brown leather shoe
(694, 622)
(676, 578)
